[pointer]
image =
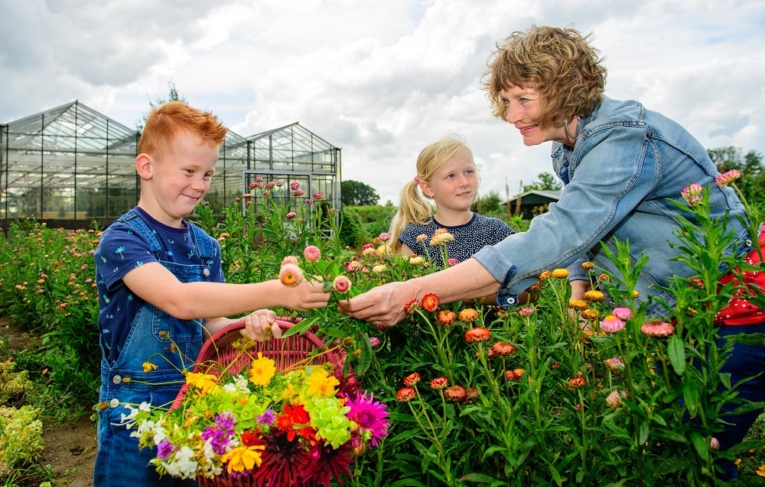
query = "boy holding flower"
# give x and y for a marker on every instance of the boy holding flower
(162, 290)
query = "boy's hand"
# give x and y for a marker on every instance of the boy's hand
(261, 325)
(307, 295)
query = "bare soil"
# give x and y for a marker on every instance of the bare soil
(70, 448)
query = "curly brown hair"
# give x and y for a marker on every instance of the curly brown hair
(560, 63)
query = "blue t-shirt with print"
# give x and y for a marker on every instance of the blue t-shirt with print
(468, 238)
(121, 250)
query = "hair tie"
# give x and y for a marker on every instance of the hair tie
(416, 180)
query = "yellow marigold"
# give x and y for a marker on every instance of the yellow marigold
(595, 296)
(204, 383)
(148, 367)
(262, 370)
(321, 384)
(578, 304)
(560, 273)
(243, 458)
(590, 314)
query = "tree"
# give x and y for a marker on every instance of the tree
(752, 182)
(355, 193)
(487, 204)
(547, 182)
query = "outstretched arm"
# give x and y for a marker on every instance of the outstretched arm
(384, 306)
(158, 286)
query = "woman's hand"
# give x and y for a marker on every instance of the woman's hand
(261, 325)
(382, 306)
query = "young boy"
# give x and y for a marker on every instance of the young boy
(161, 288)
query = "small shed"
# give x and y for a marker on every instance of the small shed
(533, 203)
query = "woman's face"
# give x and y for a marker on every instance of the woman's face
(521, 110)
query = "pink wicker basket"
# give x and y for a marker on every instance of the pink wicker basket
(218, 350)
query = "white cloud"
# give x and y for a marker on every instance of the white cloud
(381, 79)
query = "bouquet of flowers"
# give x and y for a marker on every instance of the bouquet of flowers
(260, 425)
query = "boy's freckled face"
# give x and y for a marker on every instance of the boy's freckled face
(181, 175)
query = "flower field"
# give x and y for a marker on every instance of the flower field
(560, 392)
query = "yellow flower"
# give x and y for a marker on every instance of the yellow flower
(243, 458)
(379, 269)
(579, 304)
(205, 383)
(321, 384)
(560, 273)
(416, 260)
(761, 471)
(148, 367)
(262, 370)
(635, 294)
(383, 250)
(595, 296)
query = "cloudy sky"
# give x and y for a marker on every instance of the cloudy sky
(379, 78)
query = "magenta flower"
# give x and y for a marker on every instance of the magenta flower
(370, 415)
(319, 195)
(452, 261)
(298, 192)
(367, 246)
(279, 183)
(726, 178)
(312, 253)
(692, 194)
(294, 186)
(165, 449)
(622, 313)
(259, 179)
(611, 324)
(309, 202)
(267, 418)
(290, 216)
(251, 185)
(342, 284)
(374, 342)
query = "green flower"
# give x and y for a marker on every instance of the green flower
(328, 416)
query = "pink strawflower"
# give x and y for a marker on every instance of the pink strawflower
(611, 324)
(298, 192)
(312, 253)
(294, 186)
(523, 312)
(622, 313)
(279, 183)
(270, 185)
(614, 363)
(692, 194)
(657, 329)
(370, 415)
(318, 196)
(374, 342)
(290, 216)
(290, 275)
(290, 259)
(726, 178)
(367, 246)
(715, 443)
(384, 237)
(614, 400)
(452, 262)
(421, 237)
(342, 284)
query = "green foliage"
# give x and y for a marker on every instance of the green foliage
(356, 193)
(547, 182)
(352, 232)
(488, 204)
(375, 218)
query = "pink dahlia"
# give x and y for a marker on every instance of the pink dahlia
(370, 415)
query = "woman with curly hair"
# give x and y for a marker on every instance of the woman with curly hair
(622, 165)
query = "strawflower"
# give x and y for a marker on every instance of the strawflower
(430, 302)
(726, 178)
(468, 315)
(622, 313)
(341, 284)
(291, 275)
(594, 296)
(412, 379)
(611, 324)
(243, 458)
(439, 383)
(477, 334)
(560, 273)
(446, 317)
(657, 329)
(455, 393)
(312, 253)
(692, 193)
(405, 394)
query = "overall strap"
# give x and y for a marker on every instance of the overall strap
(204, 242)
(132, 219)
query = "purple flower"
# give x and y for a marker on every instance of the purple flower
(370, 415)
(165, 449)
(226, 422)
(267, 418)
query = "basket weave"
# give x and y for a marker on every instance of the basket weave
(218, 350)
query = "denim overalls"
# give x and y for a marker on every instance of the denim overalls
(153, 337)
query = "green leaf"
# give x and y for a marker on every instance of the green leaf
(478, 477)
(300, 327)
(407, 483)
(676, 350)
(701, 445)
(691, 396)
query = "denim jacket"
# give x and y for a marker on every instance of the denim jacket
(625, 168)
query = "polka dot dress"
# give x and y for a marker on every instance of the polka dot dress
(740, 311)
(469, 238)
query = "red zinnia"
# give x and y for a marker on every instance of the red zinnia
(477, 334)
(405, 394)
(430, 302)
(412, 379)
(439, 383)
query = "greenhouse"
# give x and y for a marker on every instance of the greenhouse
(71, 163)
